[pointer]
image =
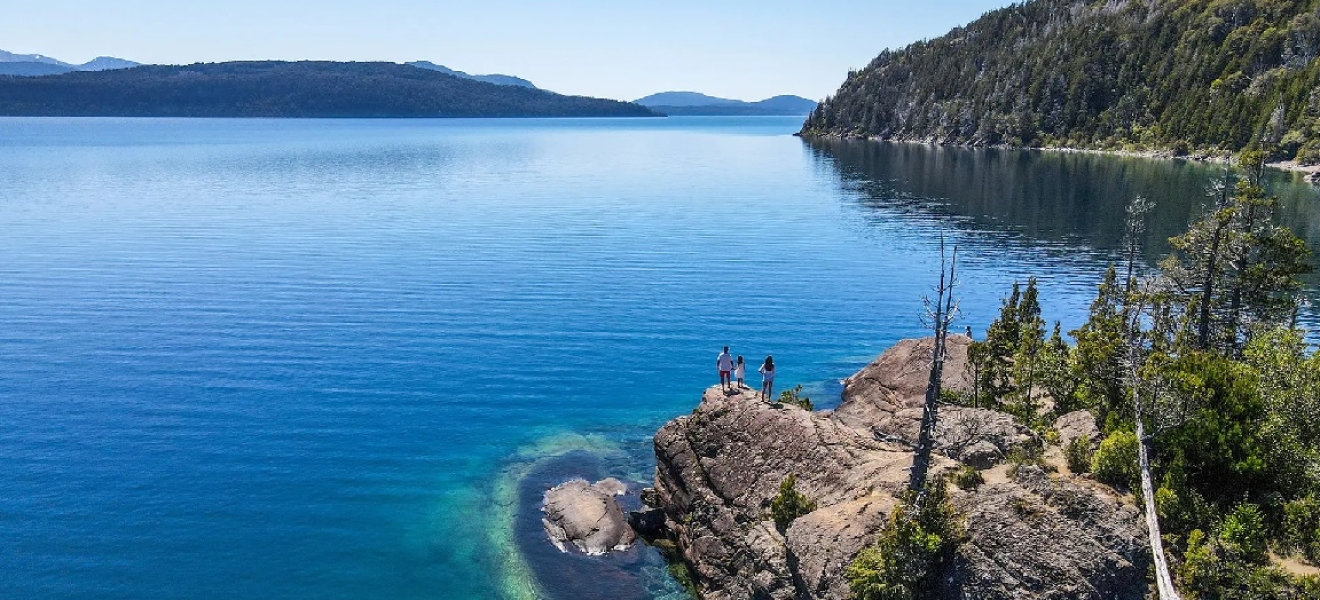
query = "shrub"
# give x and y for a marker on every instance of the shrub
(1243, 534)
(1115, 463)
(796, 398)
(907, 556)
(1078, 453)
(1301, 527)
(1051, 436)
(968, 478)
(789, 504)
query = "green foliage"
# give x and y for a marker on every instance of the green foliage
(1210, 571)
(1191, 76)
(789, 504)
(1301, 528)
(1115, 462)
(795, 397)
(1243, 534)
(1014, 362)
(1078, 453)
(1097, 359)
(1219, 448)
(968, 478)
(910, 550)
(1289, 384)
(288, 89)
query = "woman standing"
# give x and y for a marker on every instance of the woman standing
(767, 378)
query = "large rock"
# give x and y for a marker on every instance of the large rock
(718, 469)
(888, 396)
(587, 517)
(1037, 537)
(1078, 423)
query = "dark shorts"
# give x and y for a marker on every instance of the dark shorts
(725, 373)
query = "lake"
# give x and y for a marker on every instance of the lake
(277, 359)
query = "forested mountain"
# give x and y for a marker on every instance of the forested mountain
(1180, 75)
(288, 89)
(32, 68)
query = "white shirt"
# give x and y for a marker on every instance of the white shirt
(767, 374)
(724, 362)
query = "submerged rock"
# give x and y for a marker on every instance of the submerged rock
(718, 469)
(587, 516)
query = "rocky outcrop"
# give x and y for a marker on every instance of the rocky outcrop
(1079, 423)
(887, 398)
(587, 517)
(1033, 536)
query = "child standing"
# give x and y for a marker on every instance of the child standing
(768, 379)
(740, 370)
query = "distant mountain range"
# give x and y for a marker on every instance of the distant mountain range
(38, 64)
(309, 89)
(693, 103)
(496, 79)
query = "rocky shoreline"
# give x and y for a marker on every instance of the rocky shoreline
(1030, 533)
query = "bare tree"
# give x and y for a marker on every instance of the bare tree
(940, 314)
(1150, 402)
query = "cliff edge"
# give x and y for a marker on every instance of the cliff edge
(1030, 535)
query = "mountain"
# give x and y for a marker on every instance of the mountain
(288, 89)
(693, 103)
(106, 63)
(10, 64)
(496, 79)
(1178, 75)
(10, 57)
(684, 99)
(32, 68)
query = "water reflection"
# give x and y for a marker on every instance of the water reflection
(1070, 197)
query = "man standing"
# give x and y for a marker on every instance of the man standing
(725, 365)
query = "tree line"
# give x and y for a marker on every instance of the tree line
(288, 89)
(1184, 76)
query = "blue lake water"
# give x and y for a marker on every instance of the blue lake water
(327, 359)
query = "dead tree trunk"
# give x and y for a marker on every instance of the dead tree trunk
(941, 315)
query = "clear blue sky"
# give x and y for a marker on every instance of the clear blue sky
(746, 49)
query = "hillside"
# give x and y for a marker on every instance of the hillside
(1178, 75)
(32, 68)
(288, 89)
(693, 103)
(494, 78)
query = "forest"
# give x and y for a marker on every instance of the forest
(1176, 76)
(288, 89)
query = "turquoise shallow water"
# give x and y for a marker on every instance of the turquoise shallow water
(295, 359)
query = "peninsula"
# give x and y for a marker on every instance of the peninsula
(308, 89)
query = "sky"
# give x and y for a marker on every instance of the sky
(744, 49)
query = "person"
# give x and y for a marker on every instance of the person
(724, 363)
(739, 371)
(767, 378)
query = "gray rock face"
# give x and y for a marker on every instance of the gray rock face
(587, 516)
(718, 469)
(1079, 423)
(1037, 537)
(887, 397)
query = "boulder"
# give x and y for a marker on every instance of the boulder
(888, 396)
(1078, 423)
(981, 455)
(587, 517)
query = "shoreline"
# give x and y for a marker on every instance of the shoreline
(1309, 173)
